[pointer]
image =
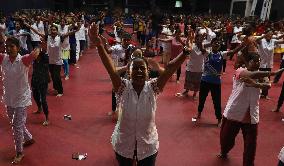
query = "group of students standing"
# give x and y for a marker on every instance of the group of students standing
(53, 43)
(135, 89)
(207, 47)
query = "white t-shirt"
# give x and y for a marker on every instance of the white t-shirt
(241, 100)
(136, 126)
(62, 31)
(54, 50)
(235, 38)
(196, 60)
(117, 55)
(266, 52)
(21, 36)
(81, 34)
(34, 36)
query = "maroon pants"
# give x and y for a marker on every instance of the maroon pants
(229, 131)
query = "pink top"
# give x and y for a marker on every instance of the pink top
(176, 48)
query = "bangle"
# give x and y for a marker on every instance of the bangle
(185, 50)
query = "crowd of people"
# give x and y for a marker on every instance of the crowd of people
(50, 40)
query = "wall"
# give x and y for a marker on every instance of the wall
(12, 5)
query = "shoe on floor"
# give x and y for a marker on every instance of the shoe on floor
(67, 78)
(45, 123)
(59, 95)
(18, 158)
(222, 156)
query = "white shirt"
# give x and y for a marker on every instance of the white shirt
(266, 52)
(16, 89)
(136, 122)
(235, 38)
(81, 34)
(242, 99)
(54, 50)
(34, 36)
(40, 27)
(281, 155)
(196, 60)
(62, 31)
(117, 54)
(3, 30)
(21, 37)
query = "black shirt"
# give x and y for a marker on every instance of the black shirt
(40, 70)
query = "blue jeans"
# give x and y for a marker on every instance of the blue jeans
(66, 67)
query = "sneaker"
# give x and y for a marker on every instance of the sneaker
(110, 113)
(38, 111)
(67, 78)
(276, 110)
(181, 95)
(45, 123)
(219, 124)
(59, 95)
(222, 156)
(18, 158)
(28, 143)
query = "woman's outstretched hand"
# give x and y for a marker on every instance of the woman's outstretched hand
(94, 35)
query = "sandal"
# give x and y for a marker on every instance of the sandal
(45, 123)
(18, 159)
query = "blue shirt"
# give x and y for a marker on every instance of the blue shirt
(213, 68)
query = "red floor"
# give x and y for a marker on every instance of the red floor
(87, 97)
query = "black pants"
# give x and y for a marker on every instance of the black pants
(73, 53)
(35, 44)
(280, 163)
(281, 97)
(149, 161)
(224, 65)
(39, 94)
(278, 76)
(113, 101)
(178, 73)
(56, 78)
(215, 90)
(82, 45)
(265, 91)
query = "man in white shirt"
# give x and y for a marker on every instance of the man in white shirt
(266, 52)
(81, 36)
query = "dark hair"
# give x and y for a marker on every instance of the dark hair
(13, 40)
(252, 56)
(215, 40)
(54, 26)
(138, 58)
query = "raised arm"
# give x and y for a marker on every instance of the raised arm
(96, 39)
(171, 68)
(36, 31)
(234, 51)
(27, 59)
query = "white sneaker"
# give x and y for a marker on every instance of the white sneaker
(59, 95)
(67, 78)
